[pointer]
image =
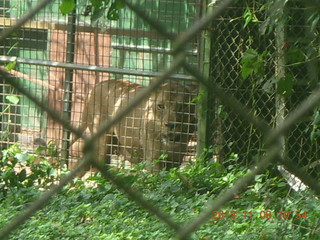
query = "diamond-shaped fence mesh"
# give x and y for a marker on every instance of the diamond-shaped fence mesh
(241, 83)
(230, 40)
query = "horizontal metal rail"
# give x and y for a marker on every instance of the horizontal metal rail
(148, 49)
(85, 67)
(81, 27)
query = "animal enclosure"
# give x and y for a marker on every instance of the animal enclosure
(151, 81)
(60, 59)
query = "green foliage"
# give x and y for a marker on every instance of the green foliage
(12, 100)
(274, 13)
(315, 126)
(11, 65)
(295, 54)
(67, 6)
(285, 86)
(253, 63)
(221, 112)
(199, 98)
(96, 8)
(249, 17)
(21, 170)
(103, 212)
(313, 20)
(113, 13)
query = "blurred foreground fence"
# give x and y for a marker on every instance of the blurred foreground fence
(274, 125)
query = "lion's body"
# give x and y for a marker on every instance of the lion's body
(161, 124)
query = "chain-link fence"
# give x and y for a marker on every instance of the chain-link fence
(255, 98)
(288, 76)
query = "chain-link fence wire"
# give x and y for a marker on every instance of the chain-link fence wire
(230, 42)
(271, 136)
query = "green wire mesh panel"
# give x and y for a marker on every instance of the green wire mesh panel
(126, 49)
(138, 52)
(29, 42)
(136, 46)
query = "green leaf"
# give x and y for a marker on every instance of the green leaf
(315, 133)
(252, 63)
(246, 71)
(22, 175)
(247, 16)
(316, 118)
(13, 99)
(113, 13)
(199, 98)
(295, 54)
(285, 86)
(97, 13)
(250, 54)
(259, 178)
(314, 23)
(67, 6)
(282, 184)
(22, 157)
(96, 3)
(40, 149)
(11, 65)
(313, 20)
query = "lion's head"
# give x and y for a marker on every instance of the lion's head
(171, 118)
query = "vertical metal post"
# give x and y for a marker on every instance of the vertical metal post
(96, 53)
(280, 103)
(68, 84)
(206, 104)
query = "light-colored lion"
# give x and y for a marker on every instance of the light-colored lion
(160, 126)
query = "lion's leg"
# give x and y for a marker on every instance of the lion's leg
(103, 149)
(151, 155)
